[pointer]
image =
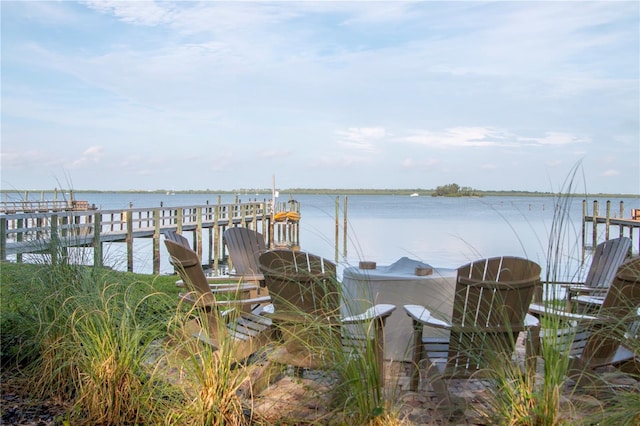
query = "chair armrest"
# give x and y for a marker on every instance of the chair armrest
(582, 289)
(247, 277)
(189, 297)
(539, 309)
(530, 321)
(594, 301)
(232, 288)
(220, 281)
(423, 316)
(374, 312)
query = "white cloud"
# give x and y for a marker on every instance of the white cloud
(94, 152)
(459, 137)
(412, 163)
(138, 12)
(362, 138)
(29, 159)
(610, 172)
(486, 137)
(554, 138)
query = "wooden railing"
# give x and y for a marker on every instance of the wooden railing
(32, 206)
(612, 218)
(52, 232)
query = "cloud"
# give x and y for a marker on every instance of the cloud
(275, 153)
(458, 137)
(610, 172)
(555, 138)
(90, 156)
(29, 159)
(412, 163)
(333, 162)
(486, 137)
(139, 12)
(94, 152)
(361, 138)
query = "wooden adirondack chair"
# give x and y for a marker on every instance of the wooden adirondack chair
(607, 257)
(489, 311)
(606, 337)
(245, 246)
(307, 312)
(244, 323)
(216, 282)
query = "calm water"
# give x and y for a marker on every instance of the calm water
(444, 232)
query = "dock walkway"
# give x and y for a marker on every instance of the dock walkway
(52, 232)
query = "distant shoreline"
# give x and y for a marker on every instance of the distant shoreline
(326, 191)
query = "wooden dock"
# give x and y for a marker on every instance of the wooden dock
(612, 219)
(42, 206)
(53, 232)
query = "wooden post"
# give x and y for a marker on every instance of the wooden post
(584, 229)
(216, 237)
(129, 240)
(19, 238)
(261, 209)
(621, 228)
(54, 241)
(3, 238)
(594, 241)
(607, 220)
(337, 230)
(97, 241)
(198, 232)
(344, 228)
(179, 220)
(156, 241)
(210, 244)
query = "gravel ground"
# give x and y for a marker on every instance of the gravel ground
(18, 407)
(307, 398)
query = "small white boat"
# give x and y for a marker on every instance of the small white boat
(415, 194)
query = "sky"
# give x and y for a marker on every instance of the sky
(182, 95)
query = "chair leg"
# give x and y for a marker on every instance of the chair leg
(439, 386)
(418, 354)
(532, 351)
(379, 348)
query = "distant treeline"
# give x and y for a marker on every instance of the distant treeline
(450, 190)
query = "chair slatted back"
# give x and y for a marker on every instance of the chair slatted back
(187, 264)
(300, 281)
(607, 257)
(491, 300)
(620, 307)
(177, 238)
(245, 246)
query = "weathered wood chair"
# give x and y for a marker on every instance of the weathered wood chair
(177, 238)
(245, 246)
(489, 311)
(609, 336)
(244, 324)
(307, 313)
(607, 257)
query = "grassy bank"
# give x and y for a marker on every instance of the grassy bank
(116, 348)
